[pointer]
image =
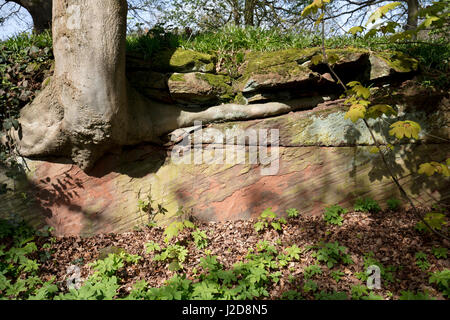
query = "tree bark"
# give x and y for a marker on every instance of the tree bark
(249, 12)
(413, 10)
(40, 11)
(88, 107)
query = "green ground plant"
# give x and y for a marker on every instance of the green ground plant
(331, 254)
(440, 252)
(422, 261)
(333, 214)
(393, 204)
(409, 295)
(367, 205)
(312, 270)
(442, 281)
(386, 273)
(269, 219)
(292, 213)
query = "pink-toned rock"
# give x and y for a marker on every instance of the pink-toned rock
(323, 159)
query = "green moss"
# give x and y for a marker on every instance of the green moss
(46, 82)
(178, 77)
(263, 60)
(239, 99)
(347, 54)
(183, 60)
(220, 83)
(290, 69)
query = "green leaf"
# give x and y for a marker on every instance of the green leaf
(378, 110)
(381, 12)
(355, 30)
(406, 129)
(362, 91)
(318, 58)
(429, 21)
(355, 112)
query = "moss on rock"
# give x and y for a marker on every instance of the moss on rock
(261, 60)
(178, 77)
(181, 60)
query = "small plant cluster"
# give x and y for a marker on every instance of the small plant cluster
(251, 278)
(367, 205)
(331, 254)
(333, 214)
(19, 265)
(387, 273)
(148, 207)
(269, 219)
(422, 261)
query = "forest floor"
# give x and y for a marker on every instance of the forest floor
(391, 236)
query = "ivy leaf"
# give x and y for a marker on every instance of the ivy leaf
(381, 12)
(405, 128)
(356, 111)
(378, 110)
(435, 219)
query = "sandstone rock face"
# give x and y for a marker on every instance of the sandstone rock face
(320, 159)
(199, 88)
(189, 78)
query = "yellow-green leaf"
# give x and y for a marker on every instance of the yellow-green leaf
(406, 129)
(353, 83)
(379, 109)
(355, 30)
(381, 12)
(374, 150)
(355, 112)
(429, 21)
(427, 168)
(430, 168)
(312, 8)
(362, 91)
(319, 20)
(333, 58)
(318, 58)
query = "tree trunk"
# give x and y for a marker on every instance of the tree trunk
(236, 13)
(413, 10)
(88, 107)
(40, 11)
(249, 12)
